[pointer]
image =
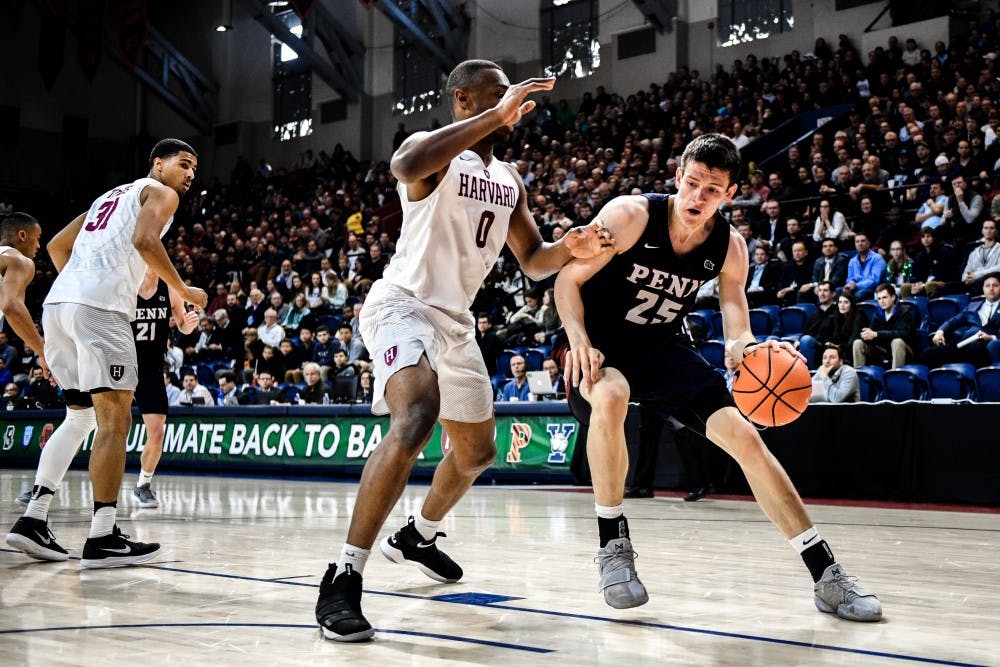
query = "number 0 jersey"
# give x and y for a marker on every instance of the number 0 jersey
(451, 239)
(150, 328)
(638, 301)
(104, 270)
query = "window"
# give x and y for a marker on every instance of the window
(743, 21)
(569, 38)
(292, 85)
(417, 86)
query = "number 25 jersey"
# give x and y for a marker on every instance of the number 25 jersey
(105, 269)
(451, 239)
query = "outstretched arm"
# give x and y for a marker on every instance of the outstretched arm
(187, 321)
(19, 273)
(61, 246)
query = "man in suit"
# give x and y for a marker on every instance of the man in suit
(267, 390)
(981, 318)
(892, 332)
(795, 274)
(231, 394)
(762, 280)
(773, 228)
(831, 267)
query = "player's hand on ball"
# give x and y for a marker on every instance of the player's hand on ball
(590, 241)
(196, 296)
(583, 366)
(777, 344)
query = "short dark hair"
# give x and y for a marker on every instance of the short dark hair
(461, 77)
(828, 284)
(345, 325)
(834, 346)
(14, 223)
(715, 151)
(228, 376)
(886, 287)
(166, 148)
(991, 275)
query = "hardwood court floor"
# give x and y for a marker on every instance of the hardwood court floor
(242, 560)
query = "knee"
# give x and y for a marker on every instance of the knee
(413, 428)
(479, 457)
(748, 449)
(610, 399)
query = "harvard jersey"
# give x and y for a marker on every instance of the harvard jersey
(451, 239)
(151, 327)
(104, 270)
(640, 298)
(3, 249)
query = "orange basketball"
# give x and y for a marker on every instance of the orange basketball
(772, 386)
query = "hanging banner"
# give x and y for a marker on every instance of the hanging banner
(51, 40)
(302, 7)
(90, 36)
(131, 23)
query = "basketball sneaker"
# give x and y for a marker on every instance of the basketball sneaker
(619, 581)
(145, 496)
(115, 550)
(33, 537)
(837, 593)
(407, 545)
(338, 609)
(25, 497)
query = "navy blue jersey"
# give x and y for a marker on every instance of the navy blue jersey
(150, 328)
(638, 301)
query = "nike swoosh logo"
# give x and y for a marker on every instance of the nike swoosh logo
(126, 550)
(44, 539)
(652, 247)
(424, 545)
(810, 539)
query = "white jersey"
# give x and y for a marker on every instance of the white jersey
(451, 239)
(105, 269)
(3, 250)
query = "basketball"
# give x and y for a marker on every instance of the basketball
(772, 386)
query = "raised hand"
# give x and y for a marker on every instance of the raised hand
(196, 296)
(512, 105)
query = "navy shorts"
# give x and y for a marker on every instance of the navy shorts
(673, 381)
(151, 393)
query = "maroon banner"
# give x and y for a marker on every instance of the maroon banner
(131, 22)
(302, 7)
(12, 9)
(90, 36)
(52, 40)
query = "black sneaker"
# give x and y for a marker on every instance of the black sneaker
(407, 545)
(33, 537)
(115, 550)
(338, 609)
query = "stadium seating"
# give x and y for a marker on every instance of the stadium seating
(761, 322)
(869, 308)
(792, 320)
(955, 381)
(988, 384)
(774, 320)
(533, 359)
(714, 352)
(871, 381)
(906, 383)
(503, 362)
(942, 308)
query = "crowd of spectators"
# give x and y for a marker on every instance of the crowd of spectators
(900, 192)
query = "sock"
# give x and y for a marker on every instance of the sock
(103, 522)
(144, 478)
(353, 556)
(611, 523)
(63, 445)
(814, 550)
(38, 508)
(424, 526)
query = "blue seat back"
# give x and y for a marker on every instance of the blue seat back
(773, 313)
(793, 320)
(870, 380)
(714, 352)
(760, 322)
(503, 363)
(906, 383)
(869, 308)
(955, 381)
(707, 315)
(717, 325)
(533, 359)
(988, 384)
(942, 308)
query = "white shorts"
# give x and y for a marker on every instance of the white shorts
(89, 348)
(398, 329)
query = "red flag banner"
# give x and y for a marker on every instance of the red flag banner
(302, 7)
(52, 40)
(131, 22)
(12, 9)
(90, 36)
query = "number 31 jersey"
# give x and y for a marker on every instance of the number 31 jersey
(451, 239)
(105, 269)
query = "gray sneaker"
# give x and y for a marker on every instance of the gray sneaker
(25, 497)
(145, 496)
(619, 581)
(837, 593)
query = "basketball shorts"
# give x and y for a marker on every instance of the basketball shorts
(673, 381)
(150, 392)
(89, 348)
(398, 329)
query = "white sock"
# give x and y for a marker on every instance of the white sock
(356, 557)
(605, 512)
(426, 527)
(809, 537)
(38, 508)
(63, 445)
(103, 522)
(144, 478)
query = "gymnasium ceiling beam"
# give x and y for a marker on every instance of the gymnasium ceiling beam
(451, 23)
(660, 13)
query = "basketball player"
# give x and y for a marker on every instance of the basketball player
(623, 315)
(460, 205)
(19, 241)
(101, 257)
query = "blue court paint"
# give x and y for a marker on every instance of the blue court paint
(477, 599)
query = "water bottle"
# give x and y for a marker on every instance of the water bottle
(326, 399)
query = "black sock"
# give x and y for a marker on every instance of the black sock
(817, 558)
(612, 529)
(38, 491)
(98, 505)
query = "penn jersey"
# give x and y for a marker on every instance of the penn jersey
(150, 328)
(639, 299)
(104, 269)
(451, 239)
(3, 250)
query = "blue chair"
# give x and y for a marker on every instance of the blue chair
(290, 392)
(920, 302)
(988, 384)
(955, 381)
(907, 383)
(793, 320)
(703, 323)
(717, 325)
(871, 380)
(706, 315)
(943, 308)
(206, 376)
(773, 314)
(546, 350)
(714, 352)
(503, 363)
(760, 322)
(533, 359)
(810, 308)
(869, 308)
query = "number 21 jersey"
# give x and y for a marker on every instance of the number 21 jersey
(451, 239)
